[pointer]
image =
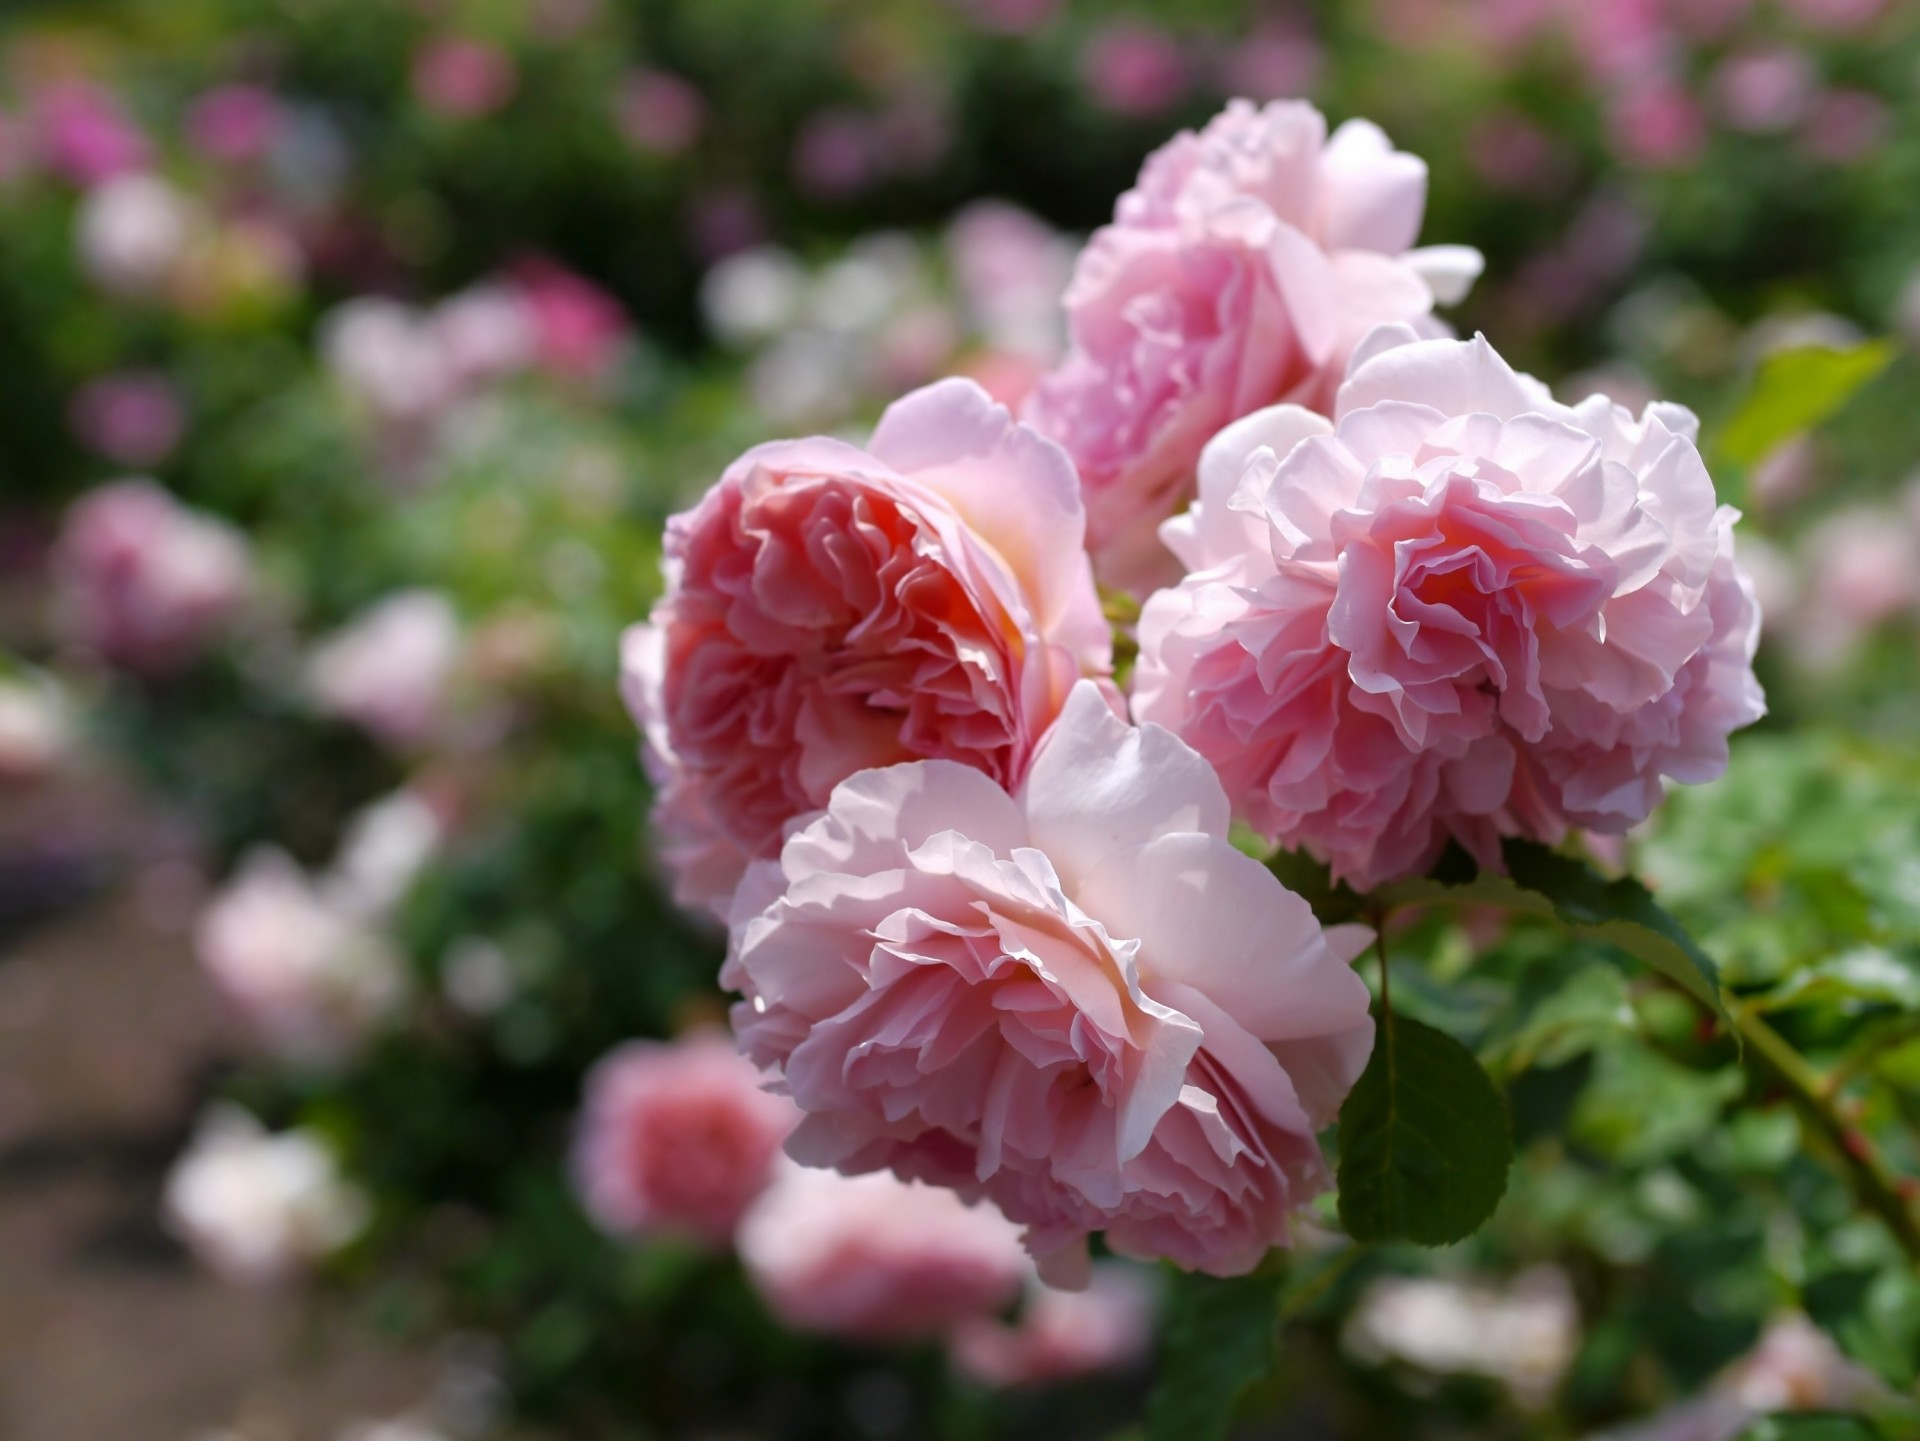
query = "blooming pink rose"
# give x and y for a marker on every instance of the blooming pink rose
(143, 581)
(1460, 610)
(877, 1259)
(390, 670)
(1078, 999)
(677, 1136)
(1240, 271)
(831, 608)
(1063, 1334)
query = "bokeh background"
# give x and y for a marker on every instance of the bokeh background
(351, 357)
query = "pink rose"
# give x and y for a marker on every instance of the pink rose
(1240, 271)
(142, 580)
(1462, 610)
(660, 113)
(677, 1136)
(132, 417)
(1078, 1000)
(464, 79)
(390, 670)
(1063, 1334)
(85, 135)
(831, 608)
(872, 1258)
(237, 124)
(579, 329)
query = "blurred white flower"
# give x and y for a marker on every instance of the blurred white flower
(1524, 1333)
(1012, 269)
(306, 977)
(485, 333)
(877, 275)
(477, 976)
(399, 1429)
(753, 295)
(386, 846)
(389, 358)
(36, 727)
(257, 1207)
(805, 377)
(389, 670)
(132, 231)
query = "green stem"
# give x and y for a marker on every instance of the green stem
(1873, 1182)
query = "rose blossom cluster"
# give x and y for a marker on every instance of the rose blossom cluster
(986, 925)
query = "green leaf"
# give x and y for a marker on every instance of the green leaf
(1795, 391)
(1424, 1140)
(1218, 1340)
(1865, 976)
(1809, 1427)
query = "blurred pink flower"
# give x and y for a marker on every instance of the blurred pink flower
(390, 670)
(724, 221)
(1011, 269)
(1835, 14)
(579, 330)
(1275, 62)
(1063, 1334)
(1078, 1000)
(1657, 125)
(1864, 568)
(660, 113)
(462, 78)
(306, 977)
(236, 124)
(1134, 68)
(85, 135)
(1761, 91)
(485, 333)
(1625, 42)
(133, 418)
(1510, 152)
(831, 608)
(876, 1259)
(143, 581)
(1241, 269)
(1846, 124)
(836, 154)
(389, 359)
(677, 1137)
(1461, 610)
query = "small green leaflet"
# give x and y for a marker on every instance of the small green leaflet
(1218, 1340)
(1807, 1427)
(1424, 1140)
(1622, 913)
(1795, 391)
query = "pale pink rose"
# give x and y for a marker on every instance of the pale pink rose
(464, 79)
(1762, 91)
(1836, 14)
(830, 608)
(391, 669)
(872, 1258)
(237, 124)
(1863, 568)
(1061, 1335)
(1078, 1000)
(483, 334)
(1011, 268)
(133, 232)
(133, 417)
(677, 1137)
(1134, 68)
(303, 973)
(1240, 271)
(1845, 125)
(1657, 125)
(1459, 611)
(390, 359)
(142, 580)
(660, 113)
(1278, 61)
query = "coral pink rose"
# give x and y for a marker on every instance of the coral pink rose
(873, 1258)
(1461, 610)
(145, 582)
(1078, 1000)
(678, 1137)
(1063, 1334)
(1240, 271)
(831, 608)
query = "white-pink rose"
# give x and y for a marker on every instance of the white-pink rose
(1461, 610)
(1239, 272)
(872, 1258)
(677, 1136)
(1078, 999)
(1063, 1334)
(831, 608)
(391, 669)
(144, 581)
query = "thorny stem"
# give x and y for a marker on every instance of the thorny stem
(1873, 1182)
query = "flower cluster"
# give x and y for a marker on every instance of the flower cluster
(986, 924)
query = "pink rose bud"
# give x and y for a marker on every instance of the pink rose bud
(1076, 999)
(1460, 610)
(831, 608)
(134, 418)
(876, 1259)
(1241, 270)
(143, 581)
(464, 79)
(677, 1137)
(1062, 1335)
(389, 672)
